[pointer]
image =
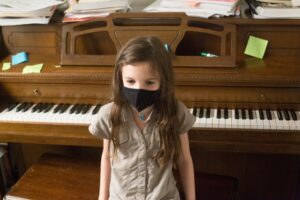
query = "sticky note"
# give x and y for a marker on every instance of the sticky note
(6, 66)
(256, 47)
(19, 58)
(32, 68)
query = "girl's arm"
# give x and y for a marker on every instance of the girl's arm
(186, 168)
(105, 171)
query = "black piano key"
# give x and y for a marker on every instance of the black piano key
(250, 112)
(207, 113)
(74, 107)
(269, 115)
(201, 112)
(226, 113)
(293, 115)
(57, 108)
(261, 114)
(195, 112)
(86, 108)
(96, 109)
(236, 113)
(48, 108)
(36, 107)
(42, 107)
(21, 106)
(27, 107)
(64, 108)
(286, 115)
(279, 114)
(12, 106)
(244, 116)
(79, 108)
(219, 113)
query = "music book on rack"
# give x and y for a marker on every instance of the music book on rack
(273, 10)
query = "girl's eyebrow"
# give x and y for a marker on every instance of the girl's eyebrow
(150, 79)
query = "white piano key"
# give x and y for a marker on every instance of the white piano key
(266, 122)
(260, 124)
(228, 121)
(209, 121)
(215, 120)
(203, 118)
(253, 122)
(279, 123)
(234, 121)
(241, 122)
(247, 123)
(273, 124)
(298, 120)
(292, 124)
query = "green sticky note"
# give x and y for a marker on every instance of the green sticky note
(6, 66)
(256, 47)
(32, 68)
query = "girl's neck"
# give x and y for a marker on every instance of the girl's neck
(144, 114)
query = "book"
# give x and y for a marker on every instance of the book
(8, 12)
(100, 4)
(273, 10)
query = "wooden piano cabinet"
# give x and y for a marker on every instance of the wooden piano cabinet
(265, 163)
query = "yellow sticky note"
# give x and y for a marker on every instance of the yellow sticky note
(256, 47)
(32, 68)
(6, 66)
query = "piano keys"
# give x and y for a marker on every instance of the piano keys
(63, 113)
(264, 119)
(80, 113)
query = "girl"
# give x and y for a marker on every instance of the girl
(144, 129)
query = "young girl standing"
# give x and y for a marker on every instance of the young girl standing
(144, 129)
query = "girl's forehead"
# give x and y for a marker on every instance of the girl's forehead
(143, 68)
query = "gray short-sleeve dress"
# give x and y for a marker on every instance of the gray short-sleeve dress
(134, 174)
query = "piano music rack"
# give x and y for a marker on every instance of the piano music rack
(97, 42)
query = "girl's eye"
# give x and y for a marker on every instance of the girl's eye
(130, 81)
(149, 82)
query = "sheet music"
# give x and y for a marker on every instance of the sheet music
(30, 5)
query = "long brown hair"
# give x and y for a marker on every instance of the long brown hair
(149, 49)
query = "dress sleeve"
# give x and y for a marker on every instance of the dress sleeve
(100, 126)
(185, 118)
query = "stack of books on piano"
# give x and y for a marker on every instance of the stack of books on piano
(198, 8)
(82, 10)
(277, 9)
(15, 12)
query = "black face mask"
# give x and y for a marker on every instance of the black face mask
(140, 98)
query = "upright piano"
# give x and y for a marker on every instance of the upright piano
(247, 109)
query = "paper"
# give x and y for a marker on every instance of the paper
(19, 58)
(32, 68)
(30, 5)
(6, 66)
(256, 47)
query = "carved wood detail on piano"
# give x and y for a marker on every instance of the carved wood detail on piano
(186, 36)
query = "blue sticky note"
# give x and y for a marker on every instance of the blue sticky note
(19, 58)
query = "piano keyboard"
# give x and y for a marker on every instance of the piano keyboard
(265, 119)
(206, 117)
(49, 113)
